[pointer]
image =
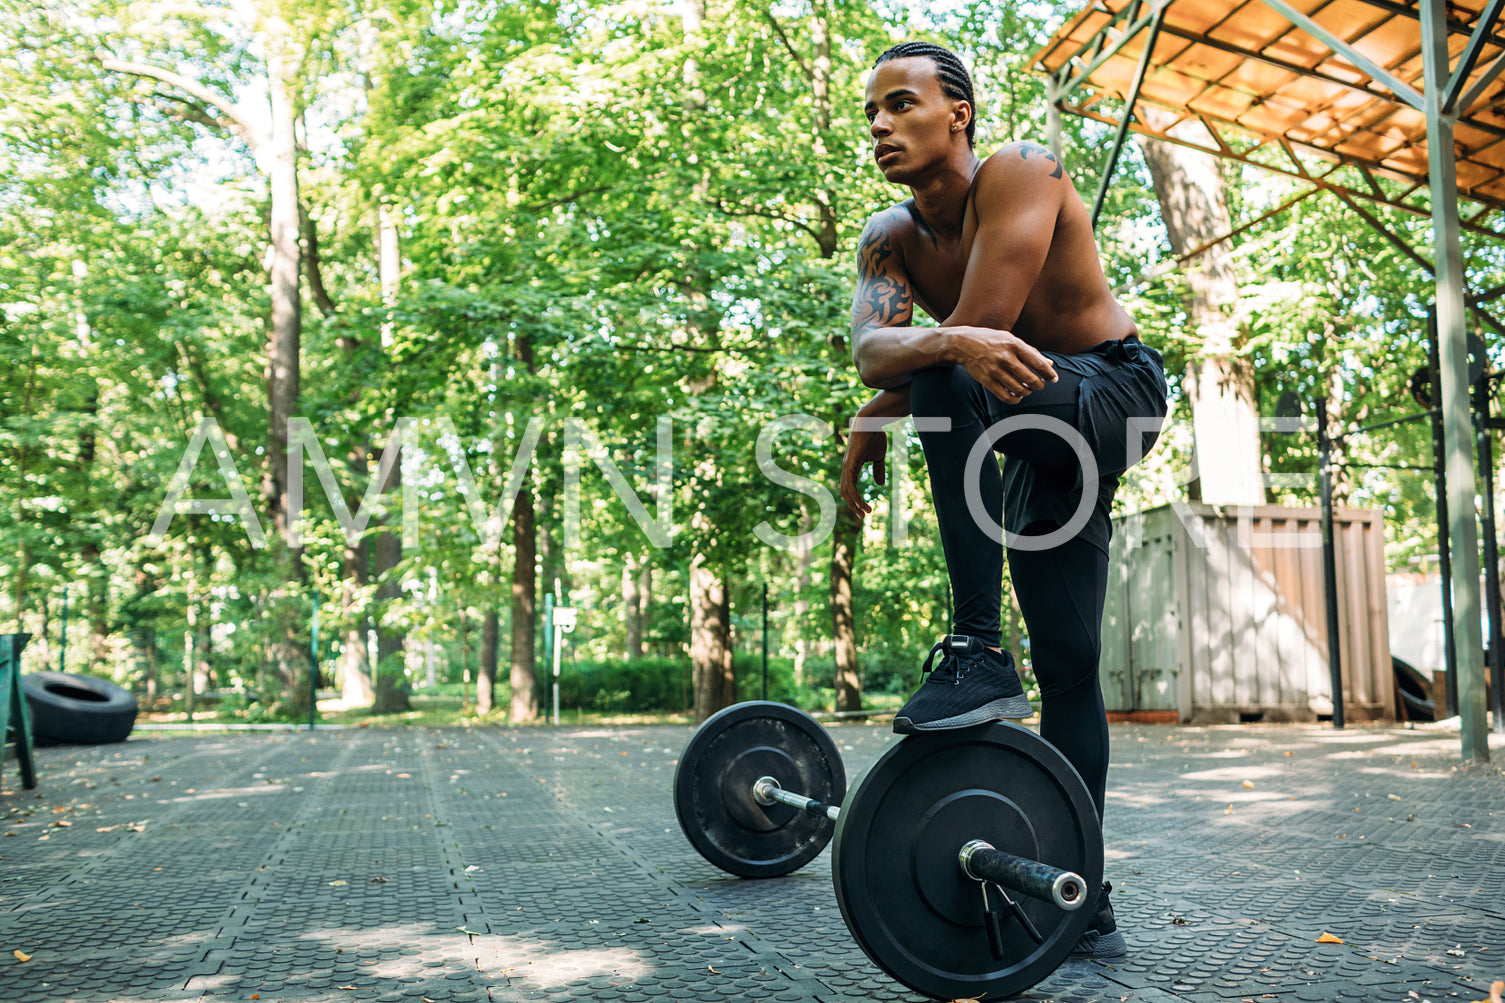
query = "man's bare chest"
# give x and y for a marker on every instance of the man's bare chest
(936, 277)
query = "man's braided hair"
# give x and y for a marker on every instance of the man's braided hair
(955, 81)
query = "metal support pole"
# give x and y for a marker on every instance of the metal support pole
(1053, 117)
(1330, 563)
(1452, 338)
(557, 631)
(1122, 132)
(1444, 544)
(1485, 441)
(564, 622)
(548, 645)
(765, 640)
(189, 683)
(313, 667)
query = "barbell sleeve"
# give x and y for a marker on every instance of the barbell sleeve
(981, 861)
(766, 791)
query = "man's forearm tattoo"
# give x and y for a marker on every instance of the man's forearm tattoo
(1025, 149)
(881, 298)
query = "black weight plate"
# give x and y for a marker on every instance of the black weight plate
(901, 888)
(713, 788)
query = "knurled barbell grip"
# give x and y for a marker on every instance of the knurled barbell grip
(981, 861)
(766, 791)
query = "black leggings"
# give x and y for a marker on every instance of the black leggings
(1060, 590)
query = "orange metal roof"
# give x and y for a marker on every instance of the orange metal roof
(1242, 81)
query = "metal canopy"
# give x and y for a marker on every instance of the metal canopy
(1327, 92)
(1390, 101)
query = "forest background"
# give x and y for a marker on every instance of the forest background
(589, 234)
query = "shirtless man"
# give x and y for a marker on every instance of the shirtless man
(1032, 339)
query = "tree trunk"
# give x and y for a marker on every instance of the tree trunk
(843, 621)
(22, 455)
(96, 572)
(146, 653)
(283, 368)
(710, 641)
(523, 672)
(354, 669)
(632, 606)
(1219, 383)
(524, 679)
(728, 648)
(491, 629)
(848, 531)
(645, 604)
(390, 695)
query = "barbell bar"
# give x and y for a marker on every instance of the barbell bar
(978, 859)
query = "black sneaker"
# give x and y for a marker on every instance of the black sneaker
(972, 685)
(1102, 941)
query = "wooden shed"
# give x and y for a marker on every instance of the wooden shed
(1217, 614)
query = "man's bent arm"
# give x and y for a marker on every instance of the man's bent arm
(888, 352)
(889, 406)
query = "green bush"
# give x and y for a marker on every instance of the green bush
(647, 684)
(749, 670)
(663, 684)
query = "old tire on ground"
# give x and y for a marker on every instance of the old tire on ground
(1415, 700)
(80, 710)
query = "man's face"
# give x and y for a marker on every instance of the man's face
(910, 117)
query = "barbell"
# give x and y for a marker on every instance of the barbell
(935, 822)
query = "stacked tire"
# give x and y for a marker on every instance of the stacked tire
(78, 710)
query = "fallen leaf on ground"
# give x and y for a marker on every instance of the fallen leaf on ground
(1393, 797)
(21, 955)
(336, 884)
(1249, 784)
(1328, 938)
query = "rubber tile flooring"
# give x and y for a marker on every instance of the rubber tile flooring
(503, 865)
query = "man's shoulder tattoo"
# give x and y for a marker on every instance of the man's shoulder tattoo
(882, 297)
(874, 249)
(1027, 150)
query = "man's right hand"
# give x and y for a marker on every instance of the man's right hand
(1004, 364)
(862, 448)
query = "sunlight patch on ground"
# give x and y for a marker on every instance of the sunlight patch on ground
(550, 965)
(1235, 773)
